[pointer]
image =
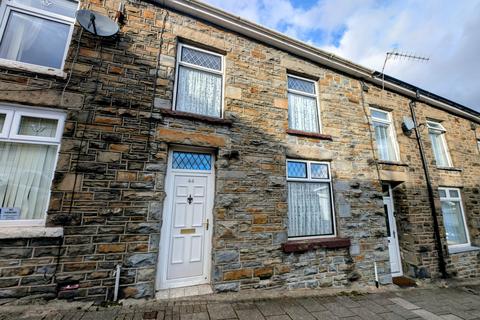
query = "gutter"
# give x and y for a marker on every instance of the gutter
(287, 44)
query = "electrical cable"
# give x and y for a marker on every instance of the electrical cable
(157, 66)
(73, 64)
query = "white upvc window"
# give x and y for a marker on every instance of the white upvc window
(310, 202)
(385, 135)
(454, 217)
(35, 34)
(303, 113)
(199, 81)
(29, 145)
(439, 145)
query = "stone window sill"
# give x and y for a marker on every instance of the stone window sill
(392, 163)
(30, 232)
(314, 135)
(16, 65)
(195, 117)
(312, 244)
(450, 169)
(463, 249)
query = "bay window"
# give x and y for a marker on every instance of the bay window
(29, 143)
(199, 81)
(385, 135)
(35, 32)
(310, 210)
(453, 217)
(302, 105)
(437, 137)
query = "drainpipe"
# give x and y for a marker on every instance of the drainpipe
(436, 230)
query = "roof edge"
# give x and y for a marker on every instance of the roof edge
(299, 48)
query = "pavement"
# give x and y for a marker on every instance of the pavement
(430, 304)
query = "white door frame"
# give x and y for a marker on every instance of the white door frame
(161, 278)
(388, 201)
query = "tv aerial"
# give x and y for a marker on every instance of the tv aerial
(97, 23)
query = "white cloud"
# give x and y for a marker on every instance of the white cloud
(445, 31)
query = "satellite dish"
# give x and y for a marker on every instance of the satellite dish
(407, 125)
(96, 23)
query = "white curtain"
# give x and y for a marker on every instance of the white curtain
(26, 172)
(439, 150)
(199, 92)
(302, 113)
(309, 210)
(453, 220)
(20, 35)
(384, 141)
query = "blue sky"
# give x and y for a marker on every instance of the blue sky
(364, 30)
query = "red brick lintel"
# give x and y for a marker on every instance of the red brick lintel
(195, 117)
(312, 244)
(310, 134)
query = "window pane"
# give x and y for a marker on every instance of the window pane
(302, 113)
(439, 150)
(442, 193)
(2, 121)
(319, 171)
(26, 172)
(38, 127)
(309, 210)
(34, 40)
(453, 193)
(201, 58)
(384, 141)
(62, 7)
(380, 115)
(199, 92)
(296, 169)
(301, 85)
(453, 220)
(191, 161)
(435, 125)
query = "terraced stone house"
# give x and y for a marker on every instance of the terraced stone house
(198, 148)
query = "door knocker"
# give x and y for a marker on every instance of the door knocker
(190, 199)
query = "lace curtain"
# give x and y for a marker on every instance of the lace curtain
(453, 220)
(302, 113)
(26, 172)
(199, 92)
(385, 146)
(309, 210)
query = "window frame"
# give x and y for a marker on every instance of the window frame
(431, 126)
(309, 179)
(392, 131)
(179, 63)
(15, 138)
(464, 217)
(302, 93)
(7, 6)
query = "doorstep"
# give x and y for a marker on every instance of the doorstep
(200, 290)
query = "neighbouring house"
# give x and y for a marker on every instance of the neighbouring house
(195, 147)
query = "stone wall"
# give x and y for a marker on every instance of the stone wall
(113, 214)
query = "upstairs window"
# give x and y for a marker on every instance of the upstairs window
(453, 217)
(199, 85)
(385, 135)
(437, 136)
(36, 32)
(302, 105)
(29, 143)
(310, 211)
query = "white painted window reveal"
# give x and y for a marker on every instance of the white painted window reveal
(29, 144)
(199, 81)
(310, 206)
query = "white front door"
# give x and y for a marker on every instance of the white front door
(185, 245)
(393, 246)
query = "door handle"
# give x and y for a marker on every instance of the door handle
(207, 224)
